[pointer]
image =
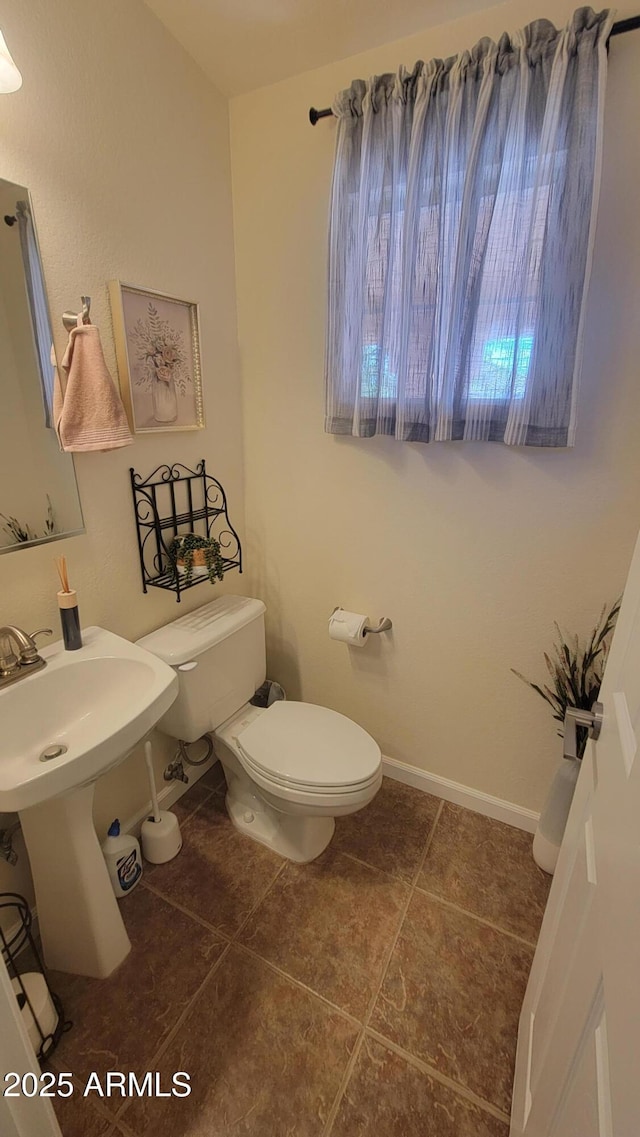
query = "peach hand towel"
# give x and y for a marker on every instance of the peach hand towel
(92, 416)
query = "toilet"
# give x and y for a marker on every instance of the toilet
(291, 768)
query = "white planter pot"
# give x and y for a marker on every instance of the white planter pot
(196, 570)
(553, 819)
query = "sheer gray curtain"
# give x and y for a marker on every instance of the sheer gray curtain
(462, 221)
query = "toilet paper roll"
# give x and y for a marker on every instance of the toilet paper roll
(44, 1010)
(348, 627)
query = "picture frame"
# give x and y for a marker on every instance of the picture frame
(157, 341)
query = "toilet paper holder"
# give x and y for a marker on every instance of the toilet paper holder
(384, 623)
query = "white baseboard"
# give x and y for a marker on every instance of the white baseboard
(479, 802)
(455, 792)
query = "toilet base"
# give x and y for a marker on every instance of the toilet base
(295, 837)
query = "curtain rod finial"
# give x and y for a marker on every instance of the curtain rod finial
(315, 115)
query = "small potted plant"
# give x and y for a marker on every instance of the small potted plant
(21, 533)
(191, 552)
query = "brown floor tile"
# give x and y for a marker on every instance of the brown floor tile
(214, 777)
(119, 1023)
(219, 874)
(388, 1097)
(452, 996)
(390, 833)
(265, 1058)
(486, 867)
(78, 1117)
(330, 924)
(195, 796)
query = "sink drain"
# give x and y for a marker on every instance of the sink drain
(56, 750)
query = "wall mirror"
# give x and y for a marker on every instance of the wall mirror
(39, 498)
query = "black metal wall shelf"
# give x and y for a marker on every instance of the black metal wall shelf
(172, 501)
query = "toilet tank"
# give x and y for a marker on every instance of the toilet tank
(218, 652)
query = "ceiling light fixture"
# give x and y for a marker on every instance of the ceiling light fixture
(10, 77)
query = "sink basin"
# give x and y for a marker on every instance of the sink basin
(96, 703)
(86, 709)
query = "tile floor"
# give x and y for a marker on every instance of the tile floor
(372, 993)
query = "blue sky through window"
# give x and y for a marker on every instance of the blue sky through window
(386, 387)
(493, 380)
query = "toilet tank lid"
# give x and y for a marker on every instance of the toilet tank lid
(189, 636)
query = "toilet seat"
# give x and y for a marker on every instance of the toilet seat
(301, 790)
(304, 747)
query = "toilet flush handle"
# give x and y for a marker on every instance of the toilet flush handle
(188, 666)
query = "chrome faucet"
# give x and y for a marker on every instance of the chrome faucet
(27, 660)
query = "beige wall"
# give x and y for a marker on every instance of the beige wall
(123, 143)
(472, 549)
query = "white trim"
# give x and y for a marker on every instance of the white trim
(489, 806)
(476, 800)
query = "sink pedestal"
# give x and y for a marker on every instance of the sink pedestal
(80, 922)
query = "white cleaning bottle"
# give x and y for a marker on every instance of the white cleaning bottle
(122, 855)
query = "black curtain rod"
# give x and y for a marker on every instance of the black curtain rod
(619, 29)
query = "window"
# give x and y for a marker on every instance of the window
(462, 220)
(492, 380)
(502, 367)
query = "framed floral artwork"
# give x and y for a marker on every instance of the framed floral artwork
(158, 352)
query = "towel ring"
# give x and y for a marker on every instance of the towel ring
(70, 319)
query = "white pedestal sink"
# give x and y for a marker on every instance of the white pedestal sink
(95, 704)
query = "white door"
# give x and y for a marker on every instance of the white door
(578, 1062)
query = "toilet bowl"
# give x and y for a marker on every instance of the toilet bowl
(291, 768)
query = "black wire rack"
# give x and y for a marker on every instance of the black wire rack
(12, 943)
(173, 501)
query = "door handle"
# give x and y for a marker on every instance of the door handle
(574, 717)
